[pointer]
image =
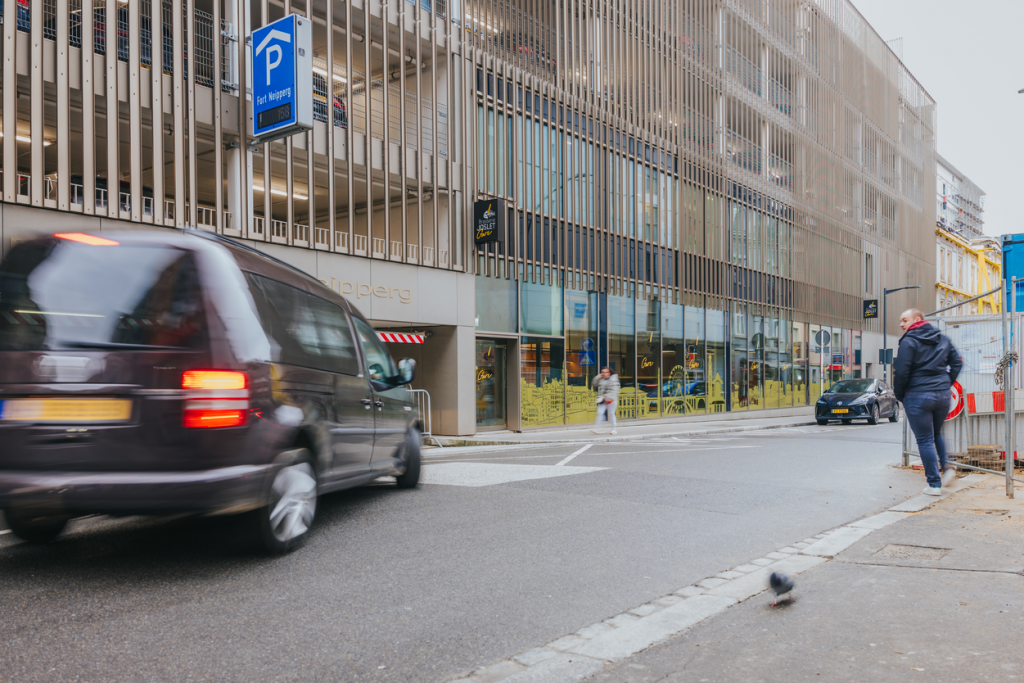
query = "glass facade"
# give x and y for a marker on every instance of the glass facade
(703, 238)
(671, 358)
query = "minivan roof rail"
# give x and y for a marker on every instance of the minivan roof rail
(241, 245)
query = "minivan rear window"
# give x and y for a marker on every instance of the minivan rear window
(58, 294)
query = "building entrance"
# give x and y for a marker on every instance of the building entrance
(491, 369)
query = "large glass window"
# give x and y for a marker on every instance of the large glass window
(772, 373)
(738, 229)
(520, 186)
(490, 383)
(543, 393)
(622, 350)
(740, 369)
(673, 361)
(798, 341)
(755, 361)
(541, 308)
(648, 357)
(716, 360)
(491, 156)
(581, 356)
(696, 359)
(754, 239)
(496, 304)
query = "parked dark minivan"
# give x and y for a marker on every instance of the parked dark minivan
(156, 372)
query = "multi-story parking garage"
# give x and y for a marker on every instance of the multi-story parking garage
(693, 189)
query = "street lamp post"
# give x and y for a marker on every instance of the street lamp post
(885, 320)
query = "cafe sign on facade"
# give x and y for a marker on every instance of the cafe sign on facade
(489, 221)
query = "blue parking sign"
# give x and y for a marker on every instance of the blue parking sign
(282, 78)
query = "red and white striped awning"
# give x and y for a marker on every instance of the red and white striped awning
(400, 338)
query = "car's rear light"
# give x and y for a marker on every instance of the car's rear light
(215, 399)
(92, 240)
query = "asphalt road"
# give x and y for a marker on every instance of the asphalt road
(496, 557)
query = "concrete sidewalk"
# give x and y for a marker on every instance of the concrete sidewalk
(937, 595)
(697, 425)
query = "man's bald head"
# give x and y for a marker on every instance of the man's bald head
(909, 317)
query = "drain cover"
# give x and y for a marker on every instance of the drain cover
(911, 552)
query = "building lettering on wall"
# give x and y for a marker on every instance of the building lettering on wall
(361, 290)
(489, 221)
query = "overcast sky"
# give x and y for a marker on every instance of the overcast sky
(969, 56)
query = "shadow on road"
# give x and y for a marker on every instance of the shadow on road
(103, 549)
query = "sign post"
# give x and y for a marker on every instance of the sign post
(823, 339)
(282, 79)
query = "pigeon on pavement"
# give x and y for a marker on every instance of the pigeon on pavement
(782, 585)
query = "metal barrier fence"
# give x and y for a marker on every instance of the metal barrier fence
(426, 417)
(979, 339)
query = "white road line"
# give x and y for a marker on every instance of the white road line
(5, 531)
(582, 450)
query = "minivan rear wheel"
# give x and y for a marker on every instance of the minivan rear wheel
(411, 457)
(284, 522)
(35, 528)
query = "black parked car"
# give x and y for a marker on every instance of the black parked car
(852, 399)
(173, 371)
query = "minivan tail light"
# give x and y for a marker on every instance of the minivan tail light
(215, 399)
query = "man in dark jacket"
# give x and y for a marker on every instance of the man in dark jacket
(925, 368)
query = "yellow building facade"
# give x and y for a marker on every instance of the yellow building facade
(964, 268)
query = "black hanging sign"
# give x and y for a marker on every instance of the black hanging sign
(489, 221)
(870, 308)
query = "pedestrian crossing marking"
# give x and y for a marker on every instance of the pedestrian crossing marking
(475, 474)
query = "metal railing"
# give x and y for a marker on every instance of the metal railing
(422, 398)
(257, 225)
(279, 229)
(321, 236)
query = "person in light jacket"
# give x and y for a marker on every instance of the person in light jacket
(607, 386)
(925, 368)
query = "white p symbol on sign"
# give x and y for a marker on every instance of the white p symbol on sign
(274, 34)
(273, 49)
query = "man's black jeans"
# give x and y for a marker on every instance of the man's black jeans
(926, 411)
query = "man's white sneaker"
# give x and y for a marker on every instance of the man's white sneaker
(614, 432)
(948, 476)
(933, 491)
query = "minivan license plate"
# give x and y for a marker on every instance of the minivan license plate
(66, 410)
(840, 410)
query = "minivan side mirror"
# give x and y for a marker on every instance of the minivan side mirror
(406, 371)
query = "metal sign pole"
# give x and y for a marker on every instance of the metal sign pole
(1007, 394)
(1010, 380)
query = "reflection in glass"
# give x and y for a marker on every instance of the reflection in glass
(648, 358)
(695, 360)
(543, 393)
(622, 351)
(673, 361)
(490, 383)
(581, 356)
(716, 362)
(739, 374)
